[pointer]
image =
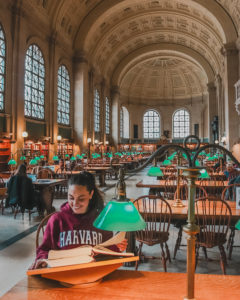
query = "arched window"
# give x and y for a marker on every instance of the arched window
(107, 116)
(2, 67)
(181, 123)
(34, 83)
(96, 111)
(151, 125)
(124, 123)
(63, 107)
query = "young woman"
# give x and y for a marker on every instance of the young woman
(73, 225)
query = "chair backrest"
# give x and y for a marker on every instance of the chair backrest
(183, 192)
(45, 174)
(213, 216)
(157, 214)
(229, 193)
(214, 187)
(41, 229)
(78, 167)
(2, 183)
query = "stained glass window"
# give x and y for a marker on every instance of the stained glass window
(63, 107)
(107, 116)
(151, 125)
(96, 111)
(34, 83)
(2, 67)
(181, 123)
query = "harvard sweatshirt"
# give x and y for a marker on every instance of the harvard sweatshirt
(67, 230)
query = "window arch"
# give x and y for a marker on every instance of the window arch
(124, 123)
(181, 123)
(96, 111)
(34, 84)
(107, 116)
(151, 125)
(2, 67)
(63, 96)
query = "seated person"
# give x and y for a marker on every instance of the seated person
(20, 190)
(73, 225)
(231, 172)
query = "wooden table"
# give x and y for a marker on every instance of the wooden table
(126, 285)
(101, 171)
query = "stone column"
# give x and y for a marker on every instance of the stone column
(115, 98)
(81, 97)
(231, 54)
(220, 104)
(90, 121)
(212, 108)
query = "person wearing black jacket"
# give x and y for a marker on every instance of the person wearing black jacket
(20, 190)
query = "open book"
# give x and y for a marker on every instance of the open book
(85, 254)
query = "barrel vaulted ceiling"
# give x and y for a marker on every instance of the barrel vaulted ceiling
(149, 48)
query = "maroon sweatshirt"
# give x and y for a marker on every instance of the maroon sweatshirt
(66, 230)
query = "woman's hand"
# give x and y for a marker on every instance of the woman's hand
(123, 245)
(38, 264)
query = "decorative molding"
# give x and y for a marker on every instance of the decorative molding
(237, 101)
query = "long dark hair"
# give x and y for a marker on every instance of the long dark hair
(88, 180)
(21, 170)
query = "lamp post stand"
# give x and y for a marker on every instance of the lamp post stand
(191, 229)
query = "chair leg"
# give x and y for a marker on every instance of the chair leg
(223, 260)
(139, 254)
(196, 257)
(178, 242)
(231, 242)
(163, 258)
(205, 252)
(168, 252)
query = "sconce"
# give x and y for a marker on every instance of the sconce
(107, 143)
(224, 140)
(24, 134)
(59, 137)
(96, 142)
(89, 140)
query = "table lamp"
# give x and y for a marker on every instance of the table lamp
(33, 162)
(204, 174)
(120, 214)
(155, 171)
(166, 162)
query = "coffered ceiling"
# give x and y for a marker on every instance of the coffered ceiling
(128, 40)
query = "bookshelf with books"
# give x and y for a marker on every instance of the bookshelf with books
(65, 148)
(5, 154)
(32, 149)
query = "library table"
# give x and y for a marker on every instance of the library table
(125, 284)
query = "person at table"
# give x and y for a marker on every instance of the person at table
(20, 190)
(73, 225)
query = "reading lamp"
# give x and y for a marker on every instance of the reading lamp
(120, 214)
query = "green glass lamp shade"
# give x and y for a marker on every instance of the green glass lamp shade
(202, 153)
(204, 174)
(12, 162)
(166, 162)
(155, 171)
(78, 156)
(55, 157)
(37, 158)
(42, 157)
(197, 163)
(211, 158)
(73, 158)
(33, 162)
(237, 225)
(119, 216)
(66, 155)
(23, 157)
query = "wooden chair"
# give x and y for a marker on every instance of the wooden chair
(157, 214)
(78, 167)
(200, 193)
(229, 194)
(61, 190)
(45, 173)
(213, 217)
(41, 229)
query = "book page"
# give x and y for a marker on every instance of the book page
(102, 250)
(78, 251)
(116, 239)
(69, 261)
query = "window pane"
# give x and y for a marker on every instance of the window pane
(34, 83)
(2, 68)
(181, 124)
(107, 116)
(63, 88)
(96, 111)
(151, 124)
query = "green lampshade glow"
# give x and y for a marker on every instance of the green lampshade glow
(12, 162)
(55, 157)
(166, 162)
(37, 158)
(197, 163)
(66, 155)
(42, 157)
(33, 162)
(119, 216)
(73, 158)
(204, 174)
(155, 171)
(23, 157)
(78, 156)
(237, 225)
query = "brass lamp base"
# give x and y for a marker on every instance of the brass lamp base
(178, 203)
